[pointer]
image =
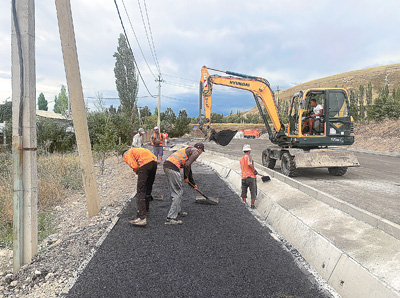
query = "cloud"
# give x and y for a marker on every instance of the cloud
(284, 41)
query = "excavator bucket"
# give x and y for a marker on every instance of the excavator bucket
(223, 137)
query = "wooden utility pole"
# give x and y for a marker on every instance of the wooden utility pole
(71, 64)
(24, 132)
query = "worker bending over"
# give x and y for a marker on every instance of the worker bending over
(144, 164)
(249, 179)
(182, 158)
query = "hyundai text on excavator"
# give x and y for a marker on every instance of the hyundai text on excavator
(293, 148)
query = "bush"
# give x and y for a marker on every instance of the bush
(52, 136)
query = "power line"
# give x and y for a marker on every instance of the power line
(127, 40)
(148, 40)
(181, 85)
(151, 35)
(180, 78)
(137, 40)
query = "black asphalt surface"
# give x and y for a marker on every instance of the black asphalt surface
(219, 251)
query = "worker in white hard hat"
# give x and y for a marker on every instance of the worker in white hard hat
(157, 140)
(249, 179)
(137, 141)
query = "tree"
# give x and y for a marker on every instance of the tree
(6, 111)
(126, 78)
(145, 112)
(168, 119)
(61, 102)
(217, 118)
(42, 102)
(181, 124)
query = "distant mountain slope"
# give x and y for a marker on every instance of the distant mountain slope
(378, 76)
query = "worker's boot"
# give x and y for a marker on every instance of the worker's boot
(252, 204)
(244, 200)
(139, 222)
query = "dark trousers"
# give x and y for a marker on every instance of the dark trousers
(252, 184)
(146, 176)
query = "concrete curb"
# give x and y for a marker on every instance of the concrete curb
(376, 221)
(292, 209)
(384, 153)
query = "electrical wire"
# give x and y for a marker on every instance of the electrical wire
(127, 40)
(137, 40)
(153, 52)
(181, 85)
(181, 78)
(151, 35)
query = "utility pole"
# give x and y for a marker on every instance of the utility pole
(24, 132)
(159, 80)
(71, 64)
(277, 95)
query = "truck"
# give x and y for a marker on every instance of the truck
(251, 133)
(295, 149)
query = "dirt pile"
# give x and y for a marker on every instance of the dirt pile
(378, 136)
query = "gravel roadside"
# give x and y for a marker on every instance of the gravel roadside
(62, 253)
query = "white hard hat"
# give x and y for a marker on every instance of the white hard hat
(141, 130)
(246, 147)
(155, 128)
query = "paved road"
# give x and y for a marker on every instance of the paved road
(219, 251)
(375, 186)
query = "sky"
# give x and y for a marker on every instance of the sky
(287, 42)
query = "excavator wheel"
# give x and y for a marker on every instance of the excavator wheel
(288, 167)
(337, 171)
(267, 161)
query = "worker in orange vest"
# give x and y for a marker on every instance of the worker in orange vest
(157, 142)
(144, 164)
(182, 158)
(249, 178)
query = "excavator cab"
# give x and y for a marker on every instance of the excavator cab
(333, 127)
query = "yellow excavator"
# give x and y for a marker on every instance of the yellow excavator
(295, 149)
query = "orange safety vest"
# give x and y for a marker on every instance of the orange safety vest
(137, 157)
(153, 137)
(245, 162)
(179, 158)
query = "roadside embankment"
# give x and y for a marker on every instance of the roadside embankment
(356, 256)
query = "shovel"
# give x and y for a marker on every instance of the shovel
(264, 178)
(205, 200)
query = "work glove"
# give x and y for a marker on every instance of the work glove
(255, 172)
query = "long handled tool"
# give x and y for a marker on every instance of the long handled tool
(264, 178)
(206, 200)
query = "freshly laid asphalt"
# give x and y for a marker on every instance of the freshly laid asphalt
(219, 251)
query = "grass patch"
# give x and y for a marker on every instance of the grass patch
(46, 225)
(59, 175)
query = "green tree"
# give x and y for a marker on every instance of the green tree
(6, 111)
(217, 118)
(145, 112)
(168, 119)
(53, 136)
(126, 79)
(42, 102)
(379, 110)
(61, 102)
(181, 124)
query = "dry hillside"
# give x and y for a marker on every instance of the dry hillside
(350, 80)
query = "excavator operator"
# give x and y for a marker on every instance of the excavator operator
(315, 115)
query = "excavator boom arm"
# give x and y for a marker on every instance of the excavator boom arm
(258, 86)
